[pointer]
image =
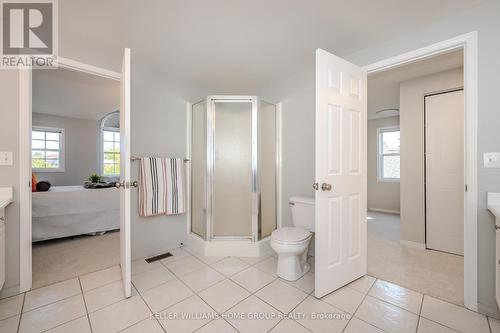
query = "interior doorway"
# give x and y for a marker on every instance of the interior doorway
(123, 185)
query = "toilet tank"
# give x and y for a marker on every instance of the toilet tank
(302, 212)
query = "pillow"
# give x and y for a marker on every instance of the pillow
(33, 183)
(43, 186)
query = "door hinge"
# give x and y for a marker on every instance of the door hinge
(465, 187)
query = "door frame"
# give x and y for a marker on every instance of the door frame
(25, 206)
(467, 42)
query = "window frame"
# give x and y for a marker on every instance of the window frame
(381, 155)
(107, 129)
(62, 154)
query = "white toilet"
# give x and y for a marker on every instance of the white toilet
(291, 243)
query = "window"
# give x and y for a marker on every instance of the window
(111, 152)
(47, 149)
(388, 154)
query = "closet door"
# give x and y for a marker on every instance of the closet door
(444, 145)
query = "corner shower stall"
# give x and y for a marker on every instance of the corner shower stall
(234, 174)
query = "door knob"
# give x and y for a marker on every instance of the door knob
(315, 186)
(134, 183)
(326, 187)
(118, 184)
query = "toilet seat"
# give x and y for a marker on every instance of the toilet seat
(291, 235)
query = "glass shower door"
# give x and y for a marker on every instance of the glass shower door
(232, 196)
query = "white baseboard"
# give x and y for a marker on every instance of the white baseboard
(382, 210)
(412, 244)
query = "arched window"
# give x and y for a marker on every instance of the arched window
(110, 145)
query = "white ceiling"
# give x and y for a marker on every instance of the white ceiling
(238, 46)
(383, 87)
(67, 93)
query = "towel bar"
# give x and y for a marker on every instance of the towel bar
(133, 159)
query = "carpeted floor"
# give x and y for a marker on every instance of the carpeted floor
(61, 259)
(430, 272)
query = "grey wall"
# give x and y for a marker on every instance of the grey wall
(80, 146)
(381, 195)
(412, 148)
(297, 97)
(9, 175)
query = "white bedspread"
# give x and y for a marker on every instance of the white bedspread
(74, 210)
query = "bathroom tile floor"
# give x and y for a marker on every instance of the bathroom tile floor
(184, 293)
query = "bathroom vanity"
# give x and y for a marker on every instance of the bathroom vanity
(5, 200)
(494, 208)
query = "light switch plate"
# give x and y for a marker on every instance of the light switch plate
(492, 160)
(6, 158)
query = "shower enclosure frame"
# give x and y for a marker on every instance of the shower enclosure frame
(210, 162)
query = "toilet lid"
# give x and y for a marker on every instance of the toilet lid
(290, 234)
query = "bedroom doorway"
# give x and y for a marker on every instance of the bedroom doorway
(75, 160)
(75, 149)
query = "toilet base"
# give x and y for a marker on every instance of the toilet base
(292, 268)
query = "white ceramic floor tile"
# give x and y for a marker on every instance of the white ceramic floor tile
(333, 320)
(363, 284)
(269, 265)
(427, 326)
(50, 294)
(146, 326)
(254, 260)
(494, 325)
(217, 326)
(11, 306)
(185, 265)
(358, 326)
(208, 259)
(305, 283)
(246, 316)
(119, 315)
(386, 316)
(101, 297)
(52, 315)
(10, 325)
(289, 326)
(453, 316)
(152, 278)
(141, 266)
(252, 279)
(100, 278)
(345, 298)
(223, 295)
(281, 295)
(407, 299)
(230, 266)
(165, 295)
(202, 278)
(177, 254)
(80, 325)
(193, 306)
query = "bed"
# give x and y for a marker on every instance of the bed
(65, 211)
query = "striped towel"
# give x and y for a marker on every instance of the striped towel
(176, 203)
(161, 186)
(152, 187)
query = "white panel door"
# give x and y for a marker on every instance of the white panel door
(341, 112)
(125, 260)
(444, 171)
